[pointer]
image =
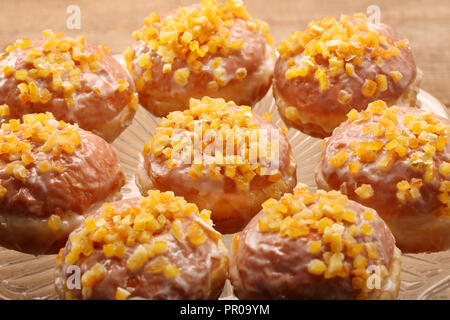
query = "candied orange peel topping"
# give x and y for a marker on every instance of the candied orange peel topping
(117, 230)
(23, 141)
(221, 122)
(61, 59)
(421, 137)
(193, 33)
(326, 215)
(344, 45)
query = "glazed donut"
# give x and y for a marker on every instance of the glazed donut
(52, 174)
(76, 81)
(220, 156)
(315, 246)
(332, 67)
(159, 247)
(209, 49)
(397, 161)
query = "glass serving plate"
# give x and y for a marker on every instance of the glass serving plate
(24, 276)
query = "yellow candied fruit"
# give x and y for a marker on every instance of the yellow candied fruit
(353, 115)
(377, 107)
(364, 191)
(359, 262)
(354, 167)
(444, 168)
(44, 166)
(158, 247)
(353, 230)
(14, 124)
(386, 161)
(444, 198)
(177, 231)
(241, 73)
(167, 68)
(213, 85)
(171, 271)
(93, 275)
(369, 215)
(396, 76)
(122, 294)
(350, 69)
(355, 249)
(137, 259)
(144, 61)
(181, 76)
(292, 228)
(429, 173)
(349, 216)
(316, 267)
(339, 159)
(369, 88)
(382, 83)
(344, 97)
(216, 63)
(366, 229)
(4, 110)
(54, 222)
(122, 85)
(403, 185)
(335, 265)
(196, 234)
(407, 190)
(3, 191)
(21, 74)
(114, 250)
(315, 246)
(321, 76)
(295, 72)
(323, 224)
(7, 71)
(372, 250)
(292, 113)
(401, 44)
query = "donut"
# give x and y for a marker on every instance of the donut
(334, 66)
(208, 49)
(220, 156)
(52, 174)
(74, 80)
(397, 161)
(315, 246)
(158, 247)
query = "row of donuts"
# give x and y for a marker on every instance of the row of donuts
(216, 50)
(113, 248)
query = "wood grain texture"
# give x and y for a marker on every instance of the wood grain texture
(425, 23)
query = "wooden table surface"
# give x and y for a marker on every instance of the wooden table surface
(425, 23)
